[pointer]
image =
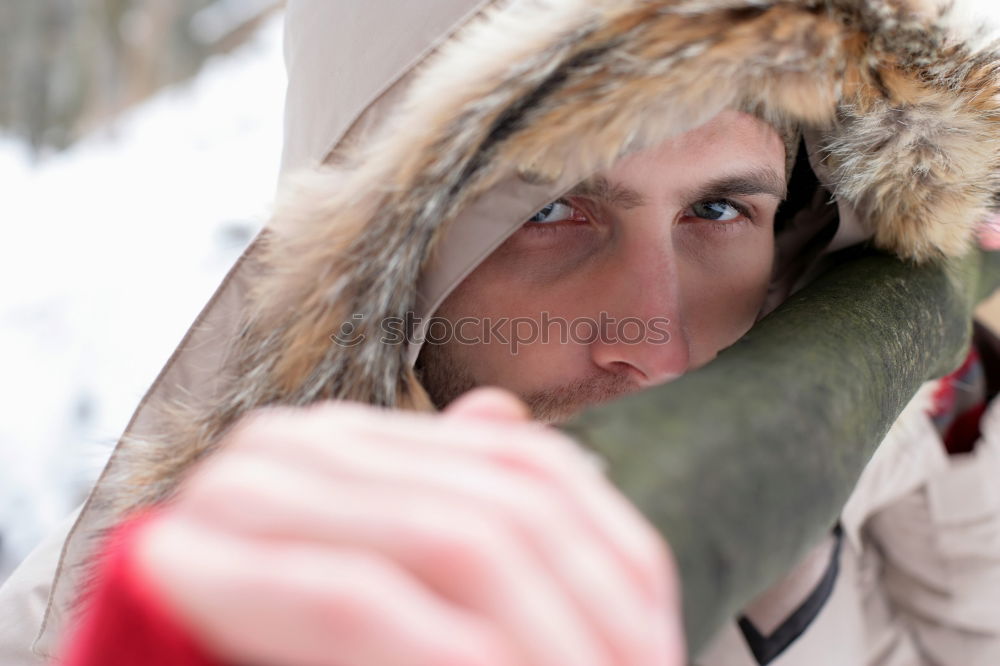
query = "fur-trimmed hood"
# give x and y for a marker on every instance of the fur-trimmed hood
(481, 112)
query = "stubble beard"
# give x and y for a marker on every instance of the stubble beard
(446, 377)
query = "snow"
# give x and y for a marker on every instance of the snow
(110, 251)
(224, 16)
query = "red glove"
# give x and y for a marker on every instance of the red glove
(123, 622)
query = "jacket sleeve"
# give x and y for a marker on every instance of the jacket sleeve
(940, 551)
(24, 600)
(123, 621)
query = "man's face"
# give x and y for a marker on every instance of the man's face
(643, 272)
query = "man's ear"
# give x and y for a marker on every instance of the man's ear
(491, 404)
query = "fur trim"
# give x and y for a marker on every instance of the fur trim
(910, 115)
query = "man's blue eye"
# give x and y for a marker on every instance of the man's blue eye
(720, 211)
(554, 212)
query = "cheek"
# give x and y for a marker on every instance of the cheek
(722, 298)
(501, 351)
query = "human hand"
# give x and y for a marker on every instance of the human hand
(343, 535)
(988, 233)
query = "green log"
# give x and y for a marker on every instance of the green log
(745, 463)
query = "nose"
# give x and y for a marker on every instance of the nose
(643, 333)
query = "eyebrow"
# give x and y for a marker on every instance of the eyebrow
(761, 180)
(605, 191)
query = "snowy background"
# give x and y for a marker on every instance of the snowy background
(110, 250)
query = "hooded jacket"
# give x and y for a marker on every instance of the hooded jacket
(442, 126)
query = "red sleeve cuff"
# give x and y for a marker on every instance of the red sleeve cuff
(124, 622)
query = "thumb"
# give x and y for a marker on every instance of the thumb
(491, 404)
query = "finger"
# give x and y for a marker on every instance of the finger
(457, 550)
(529, 449)
(988, 232)
(298, 605)
(672, 640)
(491, 404)
(571, 553)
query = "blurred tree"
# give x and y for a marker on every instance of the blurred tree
(67, 66)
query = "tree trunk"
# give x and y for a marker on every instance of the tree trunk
(745, 463)
(68, 66)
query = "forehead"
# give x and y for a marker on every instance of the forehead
(730, 141)
(736, 127)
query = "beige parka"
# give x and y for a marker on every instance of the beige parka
(445, 124)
